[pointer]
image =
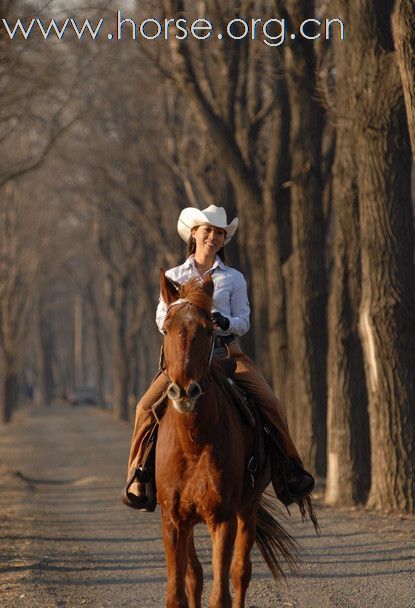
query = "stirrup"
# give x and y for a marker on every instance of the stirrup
(142, 503)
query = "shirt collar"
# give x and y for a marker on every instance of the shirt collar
(216, 264)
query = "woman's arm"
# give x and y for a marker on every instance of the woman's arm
(239, 319)
(161, 313)
(174, 275)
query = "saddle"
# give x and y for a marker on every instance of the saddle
(249, 412)
(267, 443)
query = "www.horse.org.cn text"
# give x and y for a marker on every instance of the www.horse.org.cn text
(271, 31)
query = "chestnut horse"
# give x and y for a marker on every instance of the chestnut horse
(202, 450)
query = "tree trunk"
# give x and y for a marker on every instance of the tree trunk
(121, 365)
(348, 447)
(121, 380)
(99, 344)
(45, 360)
(403, 22)
(228, 200)
(10, 392)
(146, 363)
(277, 172)
(307, 409)
(387, 309)
(121, 386)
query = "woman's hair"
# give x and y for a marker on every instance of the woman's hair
(191, 248)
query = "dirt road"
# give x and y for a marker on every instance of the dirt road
(66, 539)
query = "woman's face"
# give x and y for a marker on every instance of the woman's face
(209, 239)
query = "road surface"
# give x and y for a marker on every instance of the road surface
(67, 540)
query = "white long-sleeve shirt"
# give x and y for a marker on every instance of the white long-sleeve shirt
(230, 297)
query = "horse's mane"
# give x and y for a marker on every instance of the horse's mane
(195, 293)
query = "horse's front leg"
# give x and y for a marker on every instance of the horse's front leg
(194, 576)
(241, 564)
(175, 541)
(223, 538)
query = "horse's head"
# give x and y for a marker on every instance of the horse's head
(188, 338)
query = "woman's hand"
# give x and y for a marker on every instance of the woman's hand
(220, 320)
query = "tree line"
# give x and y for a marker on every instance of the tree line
(311, 144)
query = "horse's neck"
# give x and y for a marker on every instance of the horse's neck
(198, 428)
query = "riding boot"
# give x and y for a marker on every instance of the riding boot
(290, 480)
(140, 491)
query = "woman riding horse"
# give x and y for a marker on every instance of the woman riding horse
(206, 233)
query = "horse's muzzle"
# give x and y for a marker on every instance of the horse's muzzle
(184, 400)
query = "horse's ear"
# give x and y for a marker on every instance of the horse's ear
(208, 285)
(168, 288)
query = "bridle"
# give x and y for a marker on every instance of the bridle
(212, 346)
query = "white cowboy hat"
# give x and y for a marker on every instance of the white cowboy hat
(213, 215)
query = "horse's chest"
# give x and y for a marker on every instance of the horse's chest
(203, 483)
(202, 489)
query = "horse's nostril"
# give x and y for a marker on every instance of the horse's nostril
(173, 392)
(193, 391)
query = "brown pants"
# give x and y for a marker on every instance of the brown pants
(248, 377)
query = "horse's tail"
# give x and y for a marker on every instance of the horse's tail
(274, 542)
(307, 512)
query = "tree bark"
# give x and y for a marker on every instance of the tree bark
(307, 408)
(348, 475)
(403, 22)
(387, 308)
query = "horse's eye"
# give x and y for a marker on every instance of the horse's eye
(164, 331)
